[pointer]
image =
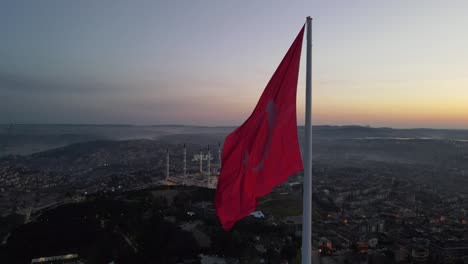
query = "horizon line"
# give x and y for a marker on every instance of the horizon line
(214, 126)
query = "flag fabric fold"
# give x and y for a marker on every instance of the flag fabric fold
(264, 151)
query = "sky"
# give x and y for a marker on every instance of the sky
(392, 63)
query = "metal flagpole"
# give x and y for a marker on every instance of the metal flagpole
(307, 189)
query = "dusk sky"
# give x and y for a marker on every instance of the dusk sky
(392, 63)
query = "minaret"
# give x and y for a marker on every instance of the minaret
(201, 161)
(185, 161)
(167, 164)
(209, 161)
(219, 155)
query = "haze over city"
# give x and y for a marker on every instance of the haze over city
(381, 63)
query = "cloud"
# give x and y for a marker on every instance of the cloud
(33, 85)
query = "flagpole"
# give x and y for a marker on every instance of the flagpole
(307, 189)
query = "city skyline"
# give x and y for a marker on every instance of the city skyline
(383, 64)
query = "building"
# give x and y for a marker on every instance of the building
(69, 259)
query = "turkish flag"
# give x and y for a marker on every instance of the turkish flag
(264, 151)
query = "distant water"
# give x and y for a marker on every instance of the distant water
(411, 138)
(27, 139)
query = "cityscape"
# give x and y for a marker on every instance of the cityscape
(379, 196)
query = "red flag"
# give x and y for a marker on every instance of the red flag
(264, 151)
